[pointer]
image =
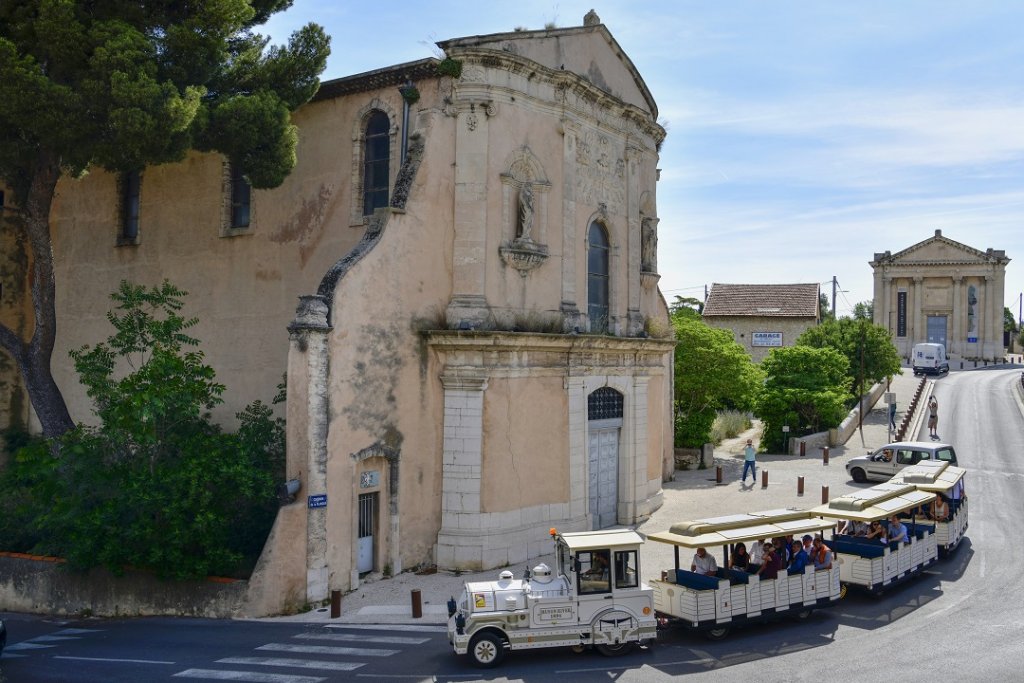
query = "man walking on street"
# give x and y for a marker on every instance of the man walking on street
(749, 461)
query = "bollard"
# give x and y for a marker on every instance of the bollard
(764, 478)
(803, 448)
(417, 606)
(824, 495)
(718, 474)
(800, 486)
(824, 455)
(335, 604)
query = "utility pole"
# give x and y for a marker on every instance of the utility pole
(835, 286)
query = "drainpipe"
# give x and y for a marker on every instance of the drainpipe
(405, 120)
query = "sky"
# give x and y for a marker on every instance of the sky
(803, 137)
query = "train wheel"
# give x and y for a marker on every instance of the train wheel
(803, 614)
(616, 650)
(716, 633)
(487, 650)
(842, 591)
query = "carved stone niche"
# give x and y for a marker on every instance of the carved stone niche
(525, 190)
(523, 254)
(649, 280)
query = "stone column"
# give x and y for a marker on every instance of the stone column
(988, 331)
(956, 334)
(919, 334)
(308, 335)
(459, 545)
(634, 157)
(468, 302)
(578, 439)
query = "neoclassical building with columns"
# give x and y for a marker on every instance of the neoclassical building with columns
(459, 279)
(940, 290)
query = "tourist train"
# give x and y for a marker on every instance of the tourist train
(594, 596)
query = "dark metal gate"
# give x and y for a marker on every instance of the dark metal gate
(367, 525)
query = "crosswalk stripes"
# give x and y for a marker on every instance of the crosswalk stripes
(319, 645)
(48, 640)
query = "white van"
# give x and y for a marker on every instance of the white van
(929, 358)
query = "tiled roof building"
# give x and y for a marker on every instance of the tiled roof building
(762, 317)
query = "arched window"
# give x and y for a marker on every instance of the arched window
(597, 277)
(376, 155)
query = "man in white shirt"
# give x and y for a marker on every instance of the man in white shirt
(704, 563)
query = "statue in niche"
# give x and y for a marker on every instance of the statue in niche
(648, 245)
(526, 212)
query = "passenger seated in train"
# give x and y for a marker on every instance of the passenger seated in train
(703, 563)
(771, 563)
(740, 559)
(940, 509)
(898, 530)
(756, 553)
(854, 527)
(797, 558)
(876, 532)
(821, 556)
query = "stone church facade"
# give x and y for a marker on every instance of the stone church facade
(943, 291)
(480, 350)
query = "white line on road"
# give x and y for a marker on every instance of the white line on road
(357, 637)
(53, 639)
(254, 677)
(327, 650)
(297, 663)
(392, 627)
(78, 631)
(25, 646)
(108, 659)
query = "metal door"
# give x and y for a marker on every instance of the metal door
(604, 476)
(367, 523)
(937, 330)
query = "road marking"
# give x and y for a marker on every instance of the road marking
(297, 663)
(78, 631)
(327, 650)
(53, 639)
(108, 659)
(25, 646)
(392, 627)
(357, 637)
(253, 676)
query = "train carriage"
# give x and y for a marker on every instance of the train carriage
(868, 563)
(714, 604)
(947, 482)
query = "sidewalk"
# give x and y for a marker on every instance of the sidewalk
(693, 494)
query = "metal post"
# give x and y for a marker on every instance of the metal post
(803, 448)
(824, 495)
(718, 474)
(335, 604)
(764, 478)
(417, 606)
(800, 486)
(824, 455)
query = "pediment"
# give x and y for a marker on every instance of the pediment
(940, 250)
(589, 51)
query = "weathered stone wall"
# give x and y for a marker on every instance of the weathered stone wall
(742, 328)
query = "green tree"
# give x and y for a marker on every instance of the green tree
(864, 310)
(157, 485)
(825, 311)
(119, 85)
(805, 388)
(686, 306)
(868, 348)
(711, 372)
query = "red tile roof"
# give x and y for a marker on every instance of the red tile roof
(763, 301)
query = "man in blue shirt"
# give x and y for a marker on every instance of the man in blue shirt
(898, 531)
(799, 558)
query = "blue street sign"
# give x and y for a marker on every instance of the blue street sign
(318, 501)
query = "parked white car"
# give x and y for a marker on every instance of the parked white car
(884, 463)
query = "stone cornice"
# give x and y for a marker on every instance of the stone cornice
(472, 340)
(571, 84)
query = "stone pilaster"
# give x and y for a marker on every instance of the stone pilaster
(570, 303)
(956, 332)
(308, 335)
(919, 334)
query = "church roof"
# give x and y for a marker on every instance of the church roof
(939, 250)
(772, 301)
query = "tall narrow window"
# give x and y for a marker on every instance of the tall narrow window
(131, 185)
(597, 278)
(241, 194)
(376, 155)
